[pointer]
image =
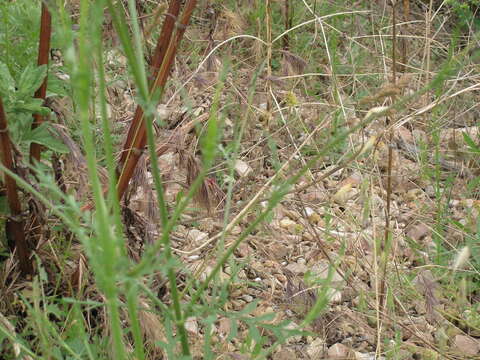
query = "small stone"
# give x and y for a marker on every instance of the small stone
(191, 325)
(197, 235)
(244, 250)
(430, 191)
(361, 356)
(163, 111)
(282, 279)
(418, 232)
(279, 251)
(297, 268)
(224, 326)
(238, 304)
(284, 354)
(314, 196)
(467, 345)
(295, 338)
(309, 211)
(414, 194)
(301, 261)
(338, 351)
(343, 194)
(314, 218)
(242, 168)
(321, 269)
(206, 225)
(316, 348)
(237, 230)
(224, 277)
(207, 271)
(288, 224)
(335, 296)
(247, 298)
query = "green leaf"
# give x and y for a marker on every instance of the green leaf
(275, 160)
(471, 143)
(7, 84)
(233, 330)
(210, 139)
(56, 87)
(31, 79)
(31, 106)
(41, 135)
(4, 209)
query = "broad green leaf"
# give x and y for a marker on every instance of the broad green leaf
(56, 87)
(41, 135)
(31, 106)
(19, 125)
(7, 84)
(31, 79)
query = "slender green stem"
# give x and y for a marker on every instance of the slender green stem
(113, 200)
(131, 290)
(171, 274)
(106, 261)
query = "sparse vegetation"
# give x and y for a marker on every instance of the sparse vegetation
(252, 179)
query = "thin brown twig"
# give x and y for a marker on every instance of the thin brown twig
(387, 234)
(268, 85)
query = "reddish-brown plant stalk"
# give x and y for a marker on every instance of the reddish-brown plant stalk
(43, 53)
(15, 223)
(134, 149)
(162, 61)
(158, 56)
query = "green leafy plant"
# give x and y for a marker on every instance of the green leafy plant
(20, 105)
(465, 10)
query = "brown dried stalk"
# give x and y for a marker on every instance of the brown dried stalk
(386, 245)
(135, 147)
(404, 40)
(268, 28)
(406, 10)
(43, 53)
(288, 24)
(15, 223)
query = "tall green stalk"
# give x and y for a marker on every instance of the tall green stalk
(106, 261)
